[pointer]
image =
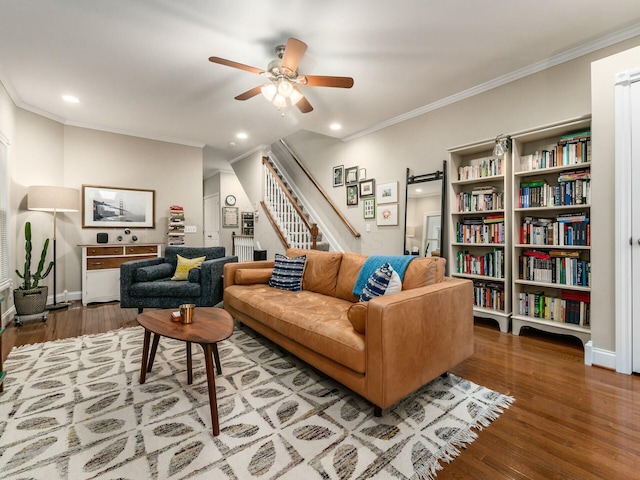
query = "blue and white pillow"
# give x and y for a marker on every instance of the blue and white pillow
(288, 272)
(384, 281)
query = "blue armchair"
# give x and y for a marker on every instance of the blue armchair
(148, 284)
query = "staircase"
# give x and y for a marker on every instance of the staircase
(286, 213)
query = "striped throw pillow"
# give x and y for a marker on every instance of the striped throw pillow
(379, 283)
(288, 272)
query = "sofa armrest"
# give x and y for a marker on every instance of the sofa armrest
(127, 274)
(211, 279)
(415, 335)
(231, 269)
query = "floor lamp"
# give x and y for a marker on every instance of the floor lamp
(53, 199)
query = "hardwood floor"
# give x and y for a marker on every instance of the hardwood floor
(569, 421)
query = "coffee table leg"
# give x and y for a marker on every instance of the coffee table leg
(211, 382)
(189, 365)
(154, 348)
(145, 353)
(216, 356)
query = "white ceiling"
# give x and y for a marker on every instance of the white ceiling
(141, 67)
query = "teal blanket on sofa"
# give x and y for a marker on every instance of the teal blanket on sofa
(398, 262)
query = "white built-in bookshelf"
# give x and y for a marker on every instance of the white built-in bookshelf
(551, 252)
(479, 199)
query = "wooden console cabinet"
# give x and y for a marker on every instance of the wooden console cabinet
(101, 268)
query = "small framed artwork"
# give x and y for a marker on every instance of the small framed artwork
(230, 216)
(362, 174)
(352, 194)
(387, 215)
(387, 192)
(351, 175)
(338, 176)
(369, 208)
(367, 187)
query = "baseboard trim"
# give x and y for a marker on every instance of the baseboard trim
(599, 357)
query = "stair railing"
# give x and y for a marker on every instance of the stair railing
(295, 228)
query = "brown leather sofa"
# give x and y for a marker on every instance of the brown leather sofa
(383, 349)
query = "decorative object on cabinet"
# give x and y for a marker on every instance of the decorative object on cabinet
(53, 199)
(387, 214)
(479, 227)
(30, 298)
(369, 208)
(552, 229)
(352, 194)
(101, 268)
(351, 175)
(367, 188)
(175, 234)
(230, 216)
(386, 193)
(117, 207)
(338, 176)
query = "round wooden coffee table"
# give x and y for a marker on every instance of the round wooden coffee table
(210, 325)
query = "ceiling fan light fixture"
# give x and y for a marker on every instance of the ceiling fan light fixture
(285, 88)
(295, 97)
(269, 91)
(279, 101)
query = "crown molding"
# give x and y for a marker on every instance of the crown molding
(545, 64)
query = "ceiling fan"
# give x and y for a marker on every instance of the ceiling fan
(282, 89)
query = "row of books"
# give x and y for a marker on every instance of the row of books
(483, 199)
(573, 149)
(570, 307)
(480, 232)
(488, 295)
(564, 230)
(481, 168)
(560, 267)
(175, 234)
(539, 193)
(491, 264)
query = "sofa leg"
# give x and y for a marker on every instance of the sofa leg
(444, 375)
(377, 411)
(139, 310)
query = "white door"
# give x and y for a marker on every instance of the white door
(212, 220)
(635, 221)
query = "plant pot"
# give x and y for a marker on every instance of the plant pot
(30, 302)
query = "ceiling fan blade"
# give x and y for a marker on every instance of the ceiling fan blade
(250, 93)
(241, 66)
(322, 81)
(293, 53)
(303, 105)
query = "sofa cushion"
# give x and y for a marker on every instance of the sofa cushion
(318, 322)
(321, 274)
(184, 265)
(288, 272)
(357, 315)
(165, 288)
(349, 269)
(383, 281)
(423, 271)
(153, 272)
(194, 275)
(249, 276)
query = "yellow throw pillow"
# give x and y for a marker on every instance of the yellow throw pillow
(184, 265)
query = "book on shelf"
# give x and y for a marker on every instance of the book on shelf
(571, 149)
(572, 310)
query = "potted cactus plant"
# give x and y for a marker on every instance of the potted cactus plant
(30, 298)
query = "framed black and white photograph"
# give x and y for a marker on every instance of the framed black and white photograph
(338, 176)
(369, 208)
(367, 188)
(230, 217)
(387, 192)
(387, 215)
(111, 207)
(351, 175)
(352, 194)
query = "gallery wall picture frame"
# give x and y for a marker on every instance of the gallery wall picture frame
(114, 207)
(338, 175)
(369, 208)
(351, 175)
(387, 192)
(362, 174)
(352, 194)
(230, 217)
(387, 214)
(367, 188)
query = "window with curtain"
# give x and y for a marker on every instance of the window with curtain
(4, 214)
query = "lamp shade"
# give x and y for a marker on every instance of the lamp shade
(52, 199)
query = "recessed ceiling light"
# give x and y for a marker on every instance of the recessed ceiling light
(335, 126)
(418, 190)
(70, 99)
(242, 136)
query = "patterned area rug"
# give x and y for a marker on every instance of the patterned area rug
(74, 409)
